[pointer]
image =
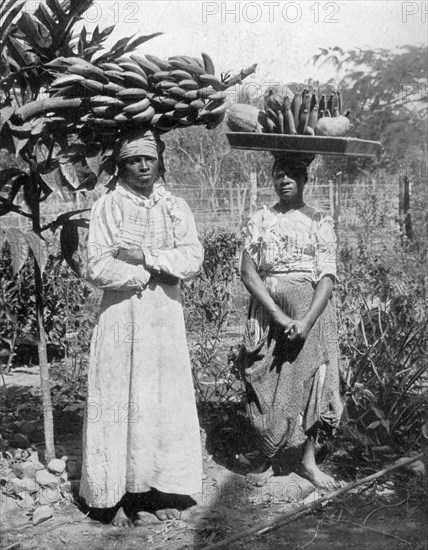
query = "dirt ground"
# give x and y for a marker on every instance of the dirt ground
(380, 516)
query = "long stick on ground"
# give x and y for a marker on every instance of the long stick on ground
(285, 518)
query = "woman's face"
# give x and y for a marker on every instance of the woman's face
(140, 172)
(287, 188)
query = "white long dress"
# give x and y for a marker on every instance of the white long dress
(141, 426)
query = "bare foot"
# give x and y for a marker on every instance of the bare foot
(121, 519)
(261, 475)
(167, 513)
(317, 477)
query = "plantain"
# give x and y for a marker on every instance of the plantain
(161, 103)
(191, 94)
(322, 104)
(135, 79)
(289, 126)
(111, 67)
(330, 103)
(115, 76)
(182, 107)
(106, 100)
(177, 92)
(67, 80)
(188, 84)
(313, 117)
(303, 122)
(165, 85)
(160, 75)
(161, 63)
(137, 107)
(134, 67)
(280, 118)
(197, 104)
(148, 66)
(86, 72)
(339, 102)
(112, 88)
(218, 95)
(179, 74)
(204, 93)
(295, 109)
(145, 116)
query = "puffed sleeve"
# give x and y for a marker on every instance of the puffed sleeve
(185, 259)
(103, 269)
(325, 248)
(253, 237)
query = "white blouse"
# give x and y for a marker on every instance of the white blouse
(161, 226)
(297, 240)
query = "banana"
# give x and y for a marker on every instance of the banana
(135, 79)
(161, 63)
(106, 100)
(182, 107)
(218, 95)
(313, 117)
(339, 102)
(180, 75)
(116, 76)
(215, 108)
(306, 101)
(165, 85)
(148, 67)
(138, 107)
(87, 72)
(131, 66)
(192, 94)
(78, 61)
(322, 105)
(145, 116)
(93, 85)
(208, 63)
(194, 65)
(212, 80)
(105, 111)
(204, 93)
(197, 104)
(112, 88)
(132, 93)
(289, 126)
(280, 117)
(67, 80)
(188, 84)
(111, 67)
(295, 109)
(303, 122)
(161, 75)
(178, 92)
(161, 103)
(196, 69)
(330, 103)
(122, 117)
(270, 126)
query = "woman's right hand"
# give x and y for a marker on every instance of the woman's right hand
(280, 318)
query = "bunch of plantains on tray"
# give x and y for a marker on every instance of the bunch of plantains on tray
(134, 90)
(287, 113)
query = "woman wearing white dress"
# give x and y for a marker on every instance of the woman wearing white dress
(141, 433)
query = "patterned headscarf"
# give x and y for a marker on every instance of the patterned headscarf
(143, 142)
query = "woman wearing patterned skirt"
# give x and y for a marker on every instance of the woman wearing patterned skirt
(289, 356)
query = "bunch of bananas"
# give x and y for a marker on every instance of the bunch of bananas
(288, 113)
(134, 90)
(301, 113)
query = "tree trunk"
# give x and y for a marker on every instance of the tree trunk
(32, 199)
(44, 369)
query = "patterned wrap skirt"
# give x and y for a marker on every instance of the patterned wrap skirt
(292, 387)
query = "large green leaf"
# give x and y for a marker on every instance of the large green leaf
(68, 170)
(18, 247)
(39, 249)
(54, 180)
(7, 16)
(6, 112)
(36, 34)
(9, 174)
(45, 17)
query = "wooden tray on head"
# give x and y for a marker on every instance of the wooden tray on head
(320, 145)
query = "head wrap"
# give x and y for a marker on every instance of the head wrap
(294, 165)
(143, 142)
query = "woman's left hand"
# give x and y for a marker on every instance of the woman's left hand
(298, 329)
